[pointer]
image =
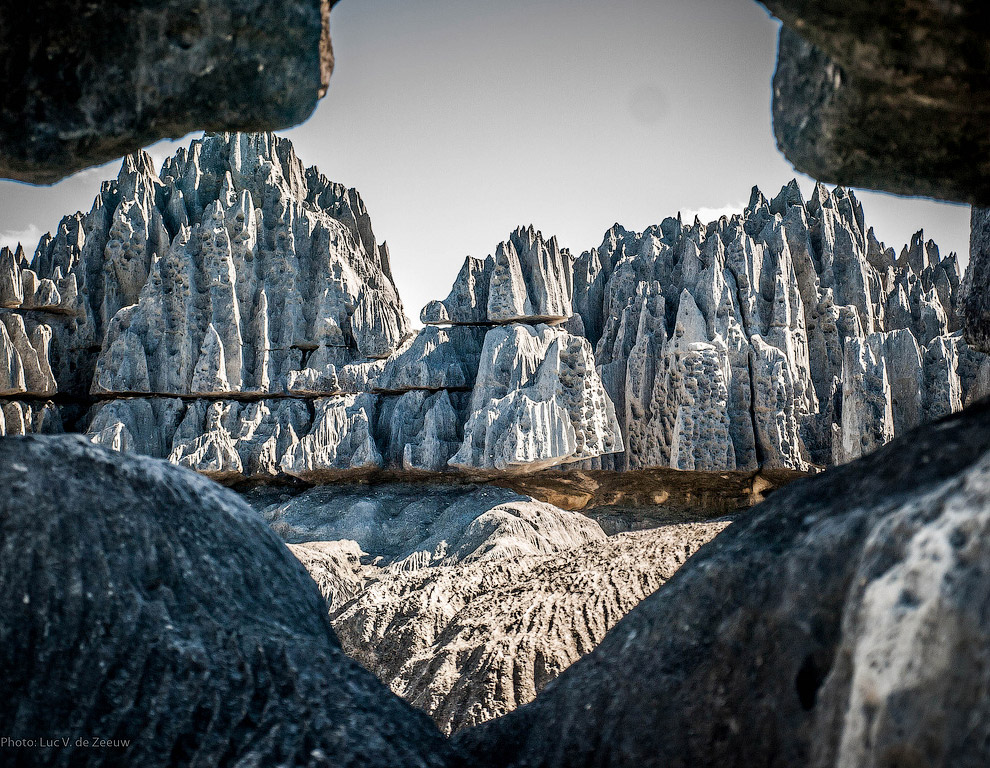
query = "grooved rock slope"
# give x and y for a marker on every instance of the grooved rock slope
(841, 622)
(141, 602)
(467, 601)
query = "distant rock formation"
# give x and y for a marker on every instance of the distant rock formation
(467, 600)
(842, 622)
(157, 609)
(234, 313)
(786, 336)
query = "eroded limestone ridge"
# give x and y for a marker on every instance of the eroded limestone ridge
(785, 336)
(235, 314)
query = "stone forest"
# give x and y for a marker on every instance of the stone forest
(714, 493)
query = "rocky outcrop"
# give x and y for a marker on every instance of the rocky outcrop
(527, 280)
(253, 267)
(841, 622)
(467, 601)
(84, 83)
(537, 402)
(28, 418)
(234, 313)
(157, 609)
(857, 83)
(977, 285)
(734, 344)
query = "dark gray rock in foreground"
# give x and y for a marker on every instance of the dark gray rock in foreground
(842, 622)
(82, 83)
(976, 309)
(139, 601)
(891, 95)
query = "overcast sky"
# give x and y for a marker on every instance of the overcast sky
(458, 121)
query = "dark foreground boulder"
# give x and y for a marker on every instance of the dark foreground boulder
(140, 602)
(845, 621)
(85, 82)
(886, 94)
(976, 311)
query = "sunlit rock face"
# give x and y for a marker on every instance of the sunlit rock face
(235, 314)
(243, 268)
(789, 327)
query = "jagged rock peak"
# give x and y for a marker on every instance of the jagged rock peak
(528, 280)
(782, 288)
(234, 251)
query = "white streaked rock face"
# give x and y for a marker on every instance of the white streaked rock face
(537, 402)
(528, 280)
(790, 293)
(234, 313)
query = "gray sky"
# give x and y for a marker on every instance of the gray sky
(459, 120)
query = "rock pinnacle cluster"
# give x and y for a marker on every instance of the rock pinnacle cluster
(234, 313)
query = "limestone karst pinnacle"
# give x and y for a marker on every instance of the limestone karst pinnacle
(234, 313)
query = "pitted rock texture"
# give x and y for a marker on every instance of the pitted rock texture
(468, 601)
(784, 337)
(841, 622)
(84, 83)
(321, 439)
(234, 313)
(732, 345)
(537, 402)
(253, 268)
(977, 285)
(858, 83)
(232, 270)
(144, 603)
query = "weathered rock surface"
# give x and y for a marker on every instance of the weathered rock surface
(527, 280)
(841, 622)
(537, 402)
(84, 83)
(143, 603)
(733, 345)
(468, 601)
(29, 417)
(977, 284)
(254, 267)
(858, 83)
(234, 313)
